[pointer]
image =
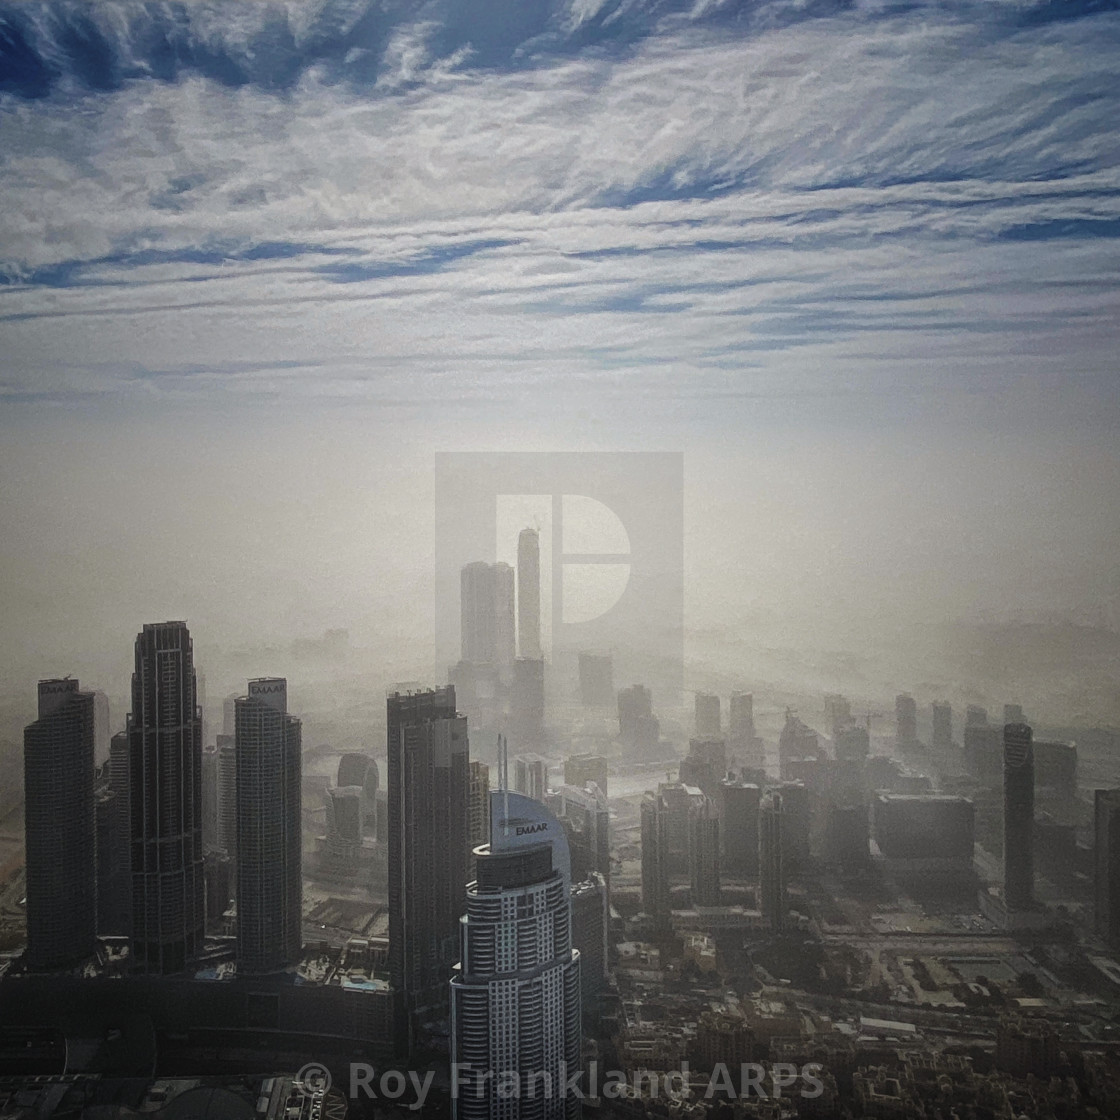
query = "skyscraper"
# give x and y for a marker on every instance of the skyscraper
(771, 879)
(165, 776)
(596, 680)
(703, 856)
(739, 820)
(740, 716)
(479, 799)
(530, 775)
(487, 611)
(429, 849)
(529, 594)
(1018, 817)
(942, 736)
(1106, 856)
(906, 720)
(269, 852)
(60, 823)
(515, 995)
(655, 859)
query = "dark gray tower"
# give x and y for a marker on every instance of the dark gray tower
(771, 871)
(165, 776)
(1018, 816)
(703, 856)
(529, 594)
(655, 859)
(269, 864)
(60, 822)
(1106, 852)
(429, 850)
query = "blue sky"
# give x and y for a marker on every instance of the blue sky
(864, 252)
(375, 199)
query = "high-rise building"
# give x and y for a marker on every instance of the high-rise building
(705, 765)
(515, 995)
(838, 712)
(227, 794)
(771, 870)
(586, 819)
(429, 850)
(942, 736)
(479, 801)
(210, 797)
(655, 862)
(488, 636)
(114, 872)
(853, 744)
(165, 775)
(596, 680)
(358, 769)
(925, 832)
(637, 725)
(739, 827)
(269, 852)
(906, 721)
(343, 805)
(796, 741)
(529, 593)
(974, 714)
(849, 836)
(708, 722)
(1012, 713)
(740, 717)
(530, 775)
(60, 827)
(1106, 859)
(579, 769)
(703, 856)
(982, 747)
(591, 915)
(1018, 817)
(796, 826)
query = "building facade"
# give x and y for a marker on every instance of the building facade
(165, 779)
(269, 825)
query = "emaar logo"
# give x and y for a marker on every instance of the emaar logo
(604, 548)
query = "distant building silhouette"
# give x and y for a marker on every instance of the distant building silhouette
(705, 765)
(906, 721)
(579, 769)
(530, 776)
(739, 820)
(429, 851)
(1106, 855)
(487, 614)
(942, 734)
(60, 827)
(637, 725)
(269, 825)
(165, 775)
(772, 881)
(529, 594)
(703, 856)
(655, 859)
(1018, 817)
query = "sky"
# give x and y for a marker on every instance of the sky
(858, 261)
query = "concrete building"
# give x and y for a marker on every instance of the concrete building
(269, 887)
(529, 594)
(906, 721)
(703, 856)
(429, 851)
(60, 828)
(705, 765)
(926, 832)
(637, 725)
(579, 769)
(771, 874)
(487, 633)
(707, 716)
(1106, 860)
(165, 774)
(530, 775)
(739, 827)
(515, 995)
(941, 737)
(479, 797)
(1018, 817)
(655, 859)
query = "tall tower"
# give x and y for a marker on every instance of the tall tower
(479, 798)
(515, 995)
(60, 823)
(1106, 851)
(655, 859)
(771, 879)
(529, 594)
(486, 603)
(906, 720)
(429, 850)
(269, 852)
(165, 775)
(1018, 816)
(942, 725)
(703, 856)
